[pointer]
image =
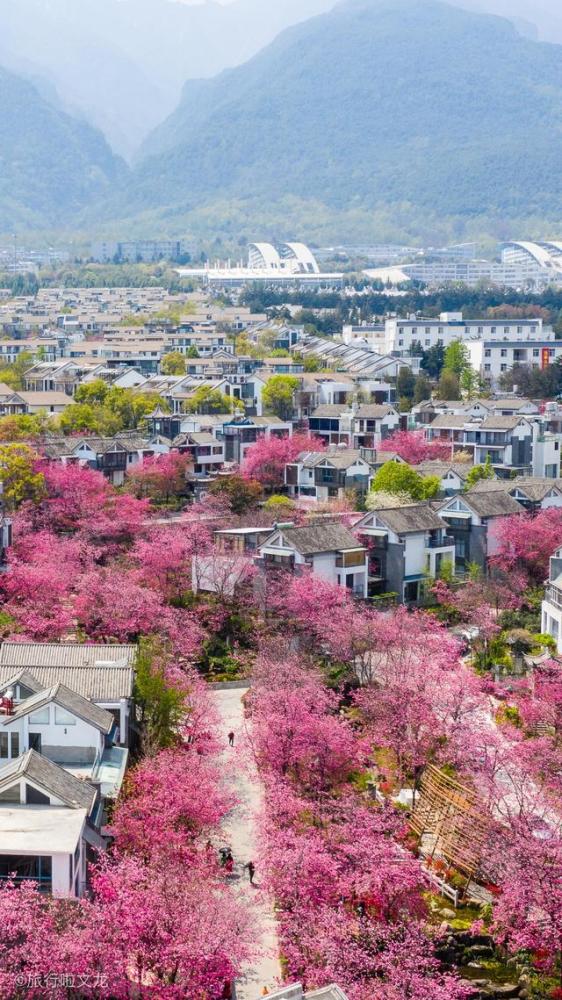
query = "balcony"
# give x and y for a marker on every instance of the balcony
(445, 542)
(553, 596)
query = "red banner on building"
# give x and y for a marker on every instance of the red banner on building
(545, 357)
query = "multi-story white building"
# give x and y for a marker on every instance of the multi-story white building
(492, 358)
(552, 604)
(399, 335)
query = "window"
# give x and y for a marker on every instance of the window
(487, 353)
(503, 368)
(64, 718)
(40, 718)
(503, 352)
(4, 752)
(487, 368)
(536, 352)
(15, 744)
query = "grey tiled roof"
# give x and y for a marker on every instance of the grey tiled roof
(330, 410)
(497, 422)
(67, 699)
(450, 420)
(320, 538)
(49, 776)
(98, 672)
(535, 487)
(416, 517)
(492, 504)
(374, 411)
(435, 467)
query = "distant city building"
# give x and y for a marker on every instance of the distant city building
(142, 251)
(283, 264)
(545, 256)
(522, 265)
(403, 335)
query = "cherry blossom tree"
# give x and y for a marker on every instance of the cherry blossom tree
(413, 447)
(160, 477)
(265, 461)
(526, 542)
(172, 799)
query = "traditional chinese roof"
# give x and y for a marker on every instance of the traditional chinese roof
(320, 538)
(52, 778)
(67, 699)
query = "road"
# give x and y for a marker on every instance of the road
(241, 835)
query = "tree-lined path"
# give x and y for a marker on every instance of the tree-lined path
(240, 834)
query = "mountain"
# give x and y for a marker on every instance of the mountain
(390, 114)
(51, 165)
(122, 63)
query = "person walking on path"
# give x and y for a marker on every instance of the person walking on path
(231, 739)
(251, 871)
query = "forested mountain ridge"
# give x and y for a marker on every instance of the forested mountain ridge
(405, 106)
(52, 165)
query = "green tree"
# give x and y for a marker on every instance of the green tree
(448, 387)
(131, 407)
(93, 393)
(242, 494)
(19, 479)
(162, 706)
(313, 364)
(192, 352)
(278, 395)
(422, 388)
(432, 360)
(405, 383)
(173, 364)
(85, 417)
(457, 358)
(280, 506)
(205, 399)
(12, 375)
(399, 478)
(480, 472)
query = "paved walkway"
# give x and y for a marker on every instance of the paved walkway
(240, 835)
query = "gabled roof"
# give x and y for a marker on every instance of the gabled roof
(534, 487)
(374, 411)
(67, 699)
(22, 677)
(450, 420)
(410, 519)
(499, 423)
(54, 780)
(437, 467)
(318, 538)
(100, 672)
(331, 410)
(496, 504)
(340, 459)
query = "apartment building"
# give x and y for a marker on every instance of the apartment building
(401, 335)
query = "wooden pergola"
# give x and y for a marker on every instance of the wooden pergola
(450, 815)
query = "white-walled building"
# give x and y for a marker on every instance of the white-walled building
(330, 551)
(552, 603)
(492, 358)
(48, 818)
(104, 674)
(399, 335)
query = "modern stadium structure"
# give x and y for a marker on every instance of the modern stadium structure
(532, 257)
(280, 264)
(524, 265)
